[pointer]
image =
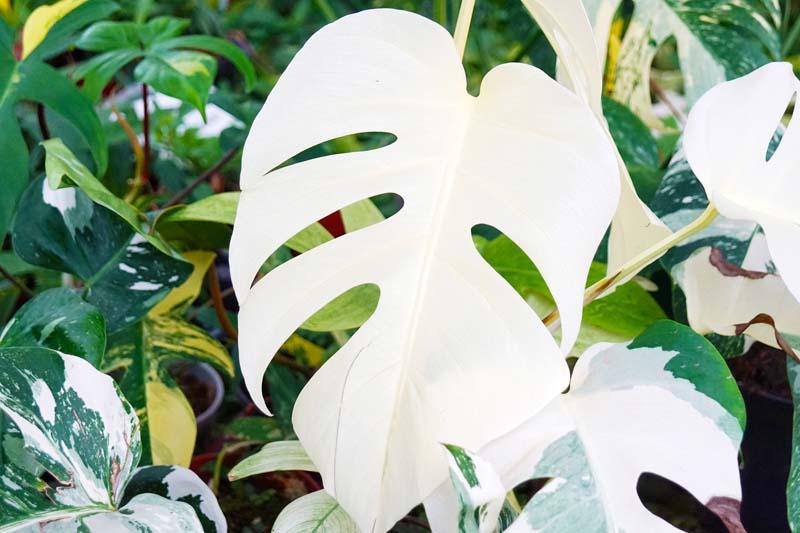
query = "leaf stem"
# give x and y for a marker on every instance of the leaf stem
(327, 10)
(138, 154)
(440, 12)
(146, 132)
(181, 195)
(40, 116)
(14, 281)
(640, 261)
(219, 305)
(462, 25)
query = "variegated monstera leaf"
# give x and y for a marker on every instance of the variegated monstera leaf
(665, 403)
(733, 164)
(67, 464)
(451, 353)
(716, 39)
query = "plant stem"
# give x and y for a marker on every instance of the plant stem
(440, 12)
(642, 260)
(40, 116)
(138, 154)
(462, 25)
(219, 305)
(215, 479)
(146, 131)
(518, 52)
(180, 196)
(787, 16)
(14, 281)
(661, 94)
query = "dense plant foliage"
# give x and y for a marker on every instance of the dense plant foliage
(362, 266)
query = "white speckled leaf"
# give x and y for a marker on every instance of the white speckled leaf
(664, 403)
(314, 513)
(479, 490)
(527, 156)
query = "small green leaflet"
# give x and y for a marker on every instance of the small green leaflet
(664, 403)
(124, 276)
(172, 65)
(61, 320)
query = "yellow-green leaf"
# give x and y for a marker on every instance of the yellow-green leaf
(179, 298)
(41, 20)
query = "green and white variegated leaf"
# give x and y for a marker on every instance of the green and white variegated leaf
(123, 275)
(144, 352)
(480, 492)
(178, 485)
(146, 513)
(314, 513)
(61, 320)
(373, 416)
(793, 483)
(717, 40)
(725, 271)
(664, 403)
(274, 456)
(75, 426)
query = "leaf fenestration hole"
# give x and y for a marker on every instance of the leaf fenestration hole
(357, 142)
(674, 504)
(780, 128)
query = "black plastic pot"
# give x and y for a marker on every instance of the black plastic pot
(766, 455)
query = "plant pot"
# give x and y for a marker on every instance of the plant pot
(767, 445)
(203, 388)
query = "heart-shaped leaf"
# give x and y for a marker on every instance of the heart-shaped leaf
(450, 342)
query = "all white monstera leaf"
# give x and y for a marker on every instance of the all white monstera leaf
(452, 353)
(664, 403)
(726, 142)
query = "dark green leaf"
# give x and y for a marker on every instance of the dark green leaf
(106, 36)
(185, 75)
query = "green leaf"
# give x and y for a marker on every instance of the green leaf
(105, 36)
(254, 428)
(160, 29)
(75, 426)
(620, 316)
(61, 320)
(636, 145)
(346, 311)
(179, 485)
(185, 75)
(216, 46)
(98, 71)
(793, 484)
(144, 352)
(63, 169)
(275, 456)
(123, 275)
(284, 387)
(61, 34)
(314, 513)
(219, 208)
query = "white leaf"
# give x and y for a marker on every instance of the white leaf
(479, 490)
(665, 404)
(581, 58)
(450, 343)
(726, 142)
(313, 513)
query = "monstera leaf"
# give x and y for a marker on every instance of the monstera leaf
(717, 40)
(735, 169)
(78, 431)
(664, 403)
(566, 25)
(450, 343)
(725, 274)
